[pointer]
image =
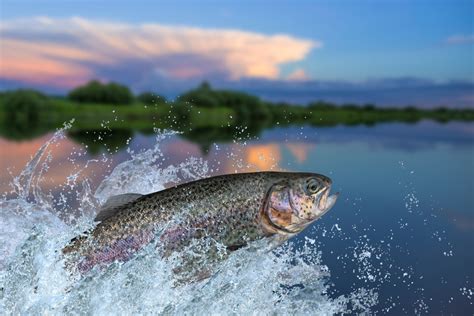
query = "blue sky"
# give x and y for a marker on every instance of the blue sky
(362, 39)
(352, 41)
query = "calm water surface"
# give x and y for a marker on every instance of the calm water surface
(403, 225)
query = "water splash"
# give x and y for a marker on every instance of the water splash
(35, 226)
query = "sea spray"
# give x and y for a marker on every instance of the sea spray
(35, 225)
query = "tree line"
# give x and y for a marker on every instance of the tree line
(23, 106)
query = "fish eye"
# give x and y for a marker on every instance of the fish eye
(313, 186)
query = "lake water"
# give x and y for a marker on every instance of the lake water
(399, 240)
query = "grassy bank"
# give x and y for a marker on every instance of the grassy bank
(203, 115)
(136, 115)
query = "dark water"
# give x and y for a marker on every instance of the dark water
(404, 222)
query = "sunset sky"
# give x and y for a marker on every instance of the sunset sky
(381, 51)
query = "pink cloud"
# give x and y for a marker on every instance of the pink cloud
(66, 52)
(298, 75)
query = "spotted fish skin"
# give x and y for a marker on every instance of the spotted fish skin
(231, 209)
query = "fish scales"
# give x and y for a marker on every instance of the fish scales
(231, 209)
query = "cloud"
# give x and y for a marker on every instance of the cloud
(298, 75)
(460, 39)
(65, 52)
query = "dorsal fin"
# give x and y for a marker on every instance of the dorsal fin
(111, 206)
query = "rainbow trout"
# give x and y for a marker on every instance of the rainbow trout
(233, 210)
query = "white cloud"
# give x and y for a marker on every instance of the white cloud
(64, 52)
(460, 39)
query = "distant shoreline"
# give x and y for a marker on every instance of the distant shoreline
(203, 115)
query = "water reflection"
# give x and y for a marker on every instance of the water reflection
(102, 140)
(406, 195)
(300, 151)
(263, 157)
(462, 220)
(276, 149)
(423, 135)
(69, 158)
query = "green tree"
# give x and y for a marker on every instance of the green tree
(321, 106)
(202, 96)
(22, 113)
(97, 92)
(246, 106)
(369, 107)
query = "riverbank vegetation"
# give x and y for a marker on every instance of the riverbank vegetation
(204, 115)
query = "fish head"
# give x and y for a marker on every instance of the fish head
(297, 201)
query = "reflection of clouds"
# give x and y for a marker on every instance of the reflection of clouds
(15, 156)
(271, 153)
(62, 52)
(224, 158)
(263, 157)
(395, 136)
(300, 150)
(466, 128)
(464, 221)
(230, 158)
(180, 150)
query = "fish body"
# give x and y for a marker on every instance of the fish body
(233, 210)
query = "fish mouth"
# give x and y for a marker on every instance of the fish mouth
(327, 201)
(330, 201)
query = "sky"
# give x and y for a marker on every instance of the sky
(367, 51)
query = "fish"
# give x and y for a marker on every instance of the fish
(233, 210)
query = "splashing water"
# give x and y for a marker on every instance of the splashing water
(35, 225)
